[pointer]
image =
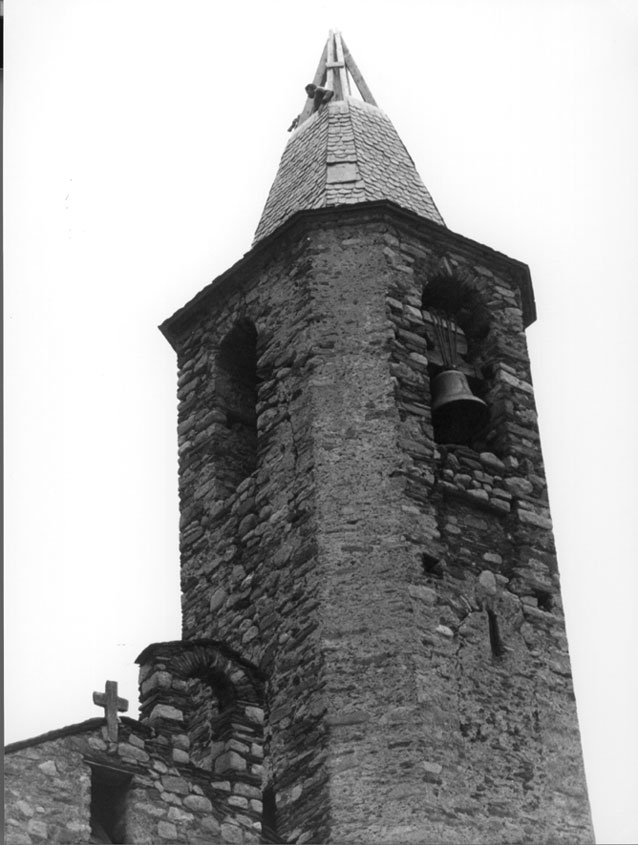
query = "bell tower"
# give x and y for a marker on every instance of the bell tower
(367, 560)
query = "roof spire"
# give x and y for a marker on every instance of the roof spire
(336, 67)
(345, 150)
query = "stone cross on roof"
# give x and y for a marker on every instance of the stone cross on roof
(111, 703)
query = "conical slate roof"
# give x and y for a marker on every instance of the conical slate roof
(343, 150)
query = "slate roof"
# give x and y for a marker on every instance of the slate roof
(348, 151)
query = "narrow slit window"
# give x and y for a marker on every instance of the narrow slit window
(269, 815)
(496, 644)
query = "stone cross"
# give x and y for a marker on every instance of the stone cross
(111, 704)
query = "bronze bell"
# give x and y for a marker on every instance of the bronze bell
(457, 413)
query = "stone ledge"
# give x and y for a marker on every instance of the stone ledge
(470, 497)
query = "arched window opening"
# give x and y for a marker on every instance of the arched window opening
(221, 697)
(455, 323)
(212, 698)
(459, 414)
(464, 304)
(236, 391)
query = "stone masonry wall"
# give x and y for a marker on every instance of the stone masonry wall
(224, 739)
(48, 790)
(374, 647)
(249, 575)
(367, 641)
(400, 596)
(492, 665)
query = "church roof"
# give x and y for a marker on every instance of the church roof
(87, 726)
(342, 150)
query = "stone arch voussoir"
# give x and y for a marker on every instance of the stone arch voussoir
(456, 289)
(185, 659)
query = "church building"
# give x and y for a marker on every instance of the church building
(373, 642)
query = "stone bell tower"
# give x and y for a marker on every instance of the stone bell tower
(366, 547)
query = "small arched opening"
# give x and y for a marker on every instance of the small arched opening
(223, 698)
(212, 699)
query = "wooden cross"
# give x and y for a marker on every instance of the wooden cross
(111, 704)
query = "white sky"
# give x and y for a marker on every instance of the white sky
(141, 138)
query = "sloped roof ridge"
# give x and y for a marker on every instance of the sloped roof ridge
(86, 726)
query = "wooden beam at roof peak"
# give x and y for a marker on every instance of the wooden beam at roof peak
(332, 79)
(319, 79)
(356, 74)
(343, 75)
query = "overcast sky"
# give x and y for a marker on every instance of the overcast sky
(141, 138)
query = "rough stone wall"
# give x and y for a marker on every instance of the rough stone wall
(208, 708)
(400, 596)
(48, 791)
(249, 575)
(370, 689)
(492, 666)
